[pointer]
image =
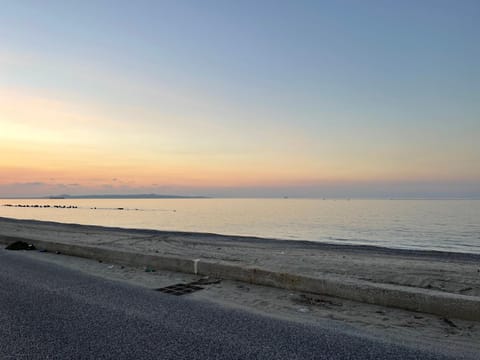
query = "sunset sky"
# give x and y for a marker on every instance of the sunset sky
(240, 98)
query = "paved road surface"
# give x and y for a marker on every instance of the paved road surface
(51, 312)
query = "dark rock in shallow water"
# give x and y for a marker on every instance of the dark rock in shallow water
(20, 245)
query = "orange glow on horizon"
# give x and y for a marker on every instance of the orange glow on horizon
(52, 142)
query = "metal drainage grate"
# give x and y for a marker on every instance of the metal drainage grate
(180, 289)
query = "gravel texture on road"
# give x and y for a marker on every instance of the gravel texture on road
(52, 312)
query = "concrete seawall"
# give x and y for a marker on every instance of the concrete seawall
(440, 303)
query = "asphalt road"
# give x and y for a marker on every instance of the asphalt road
(52, 312)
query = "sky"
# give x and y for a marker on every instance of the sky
(240, 98)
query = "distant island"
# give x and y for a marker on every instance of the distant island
(125, 196)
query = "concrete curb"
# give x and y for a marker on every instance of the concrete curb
(403, 297)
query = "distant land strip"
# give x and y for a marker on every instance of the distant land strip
(125, 196)
(110, 196)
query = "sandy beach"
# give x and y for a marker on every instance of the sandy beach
(456, 273)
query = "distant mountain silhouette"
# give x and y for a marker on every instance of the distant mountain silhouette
(125, 196)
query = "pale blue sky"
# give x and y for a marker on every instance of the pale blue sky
(371, 92)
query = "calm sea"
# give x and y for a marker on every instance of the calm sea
(448, 225)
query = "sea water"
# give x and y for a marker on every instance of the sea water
(446, 225)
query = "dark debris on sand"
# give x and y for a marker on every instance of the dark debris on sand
(20, 245)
